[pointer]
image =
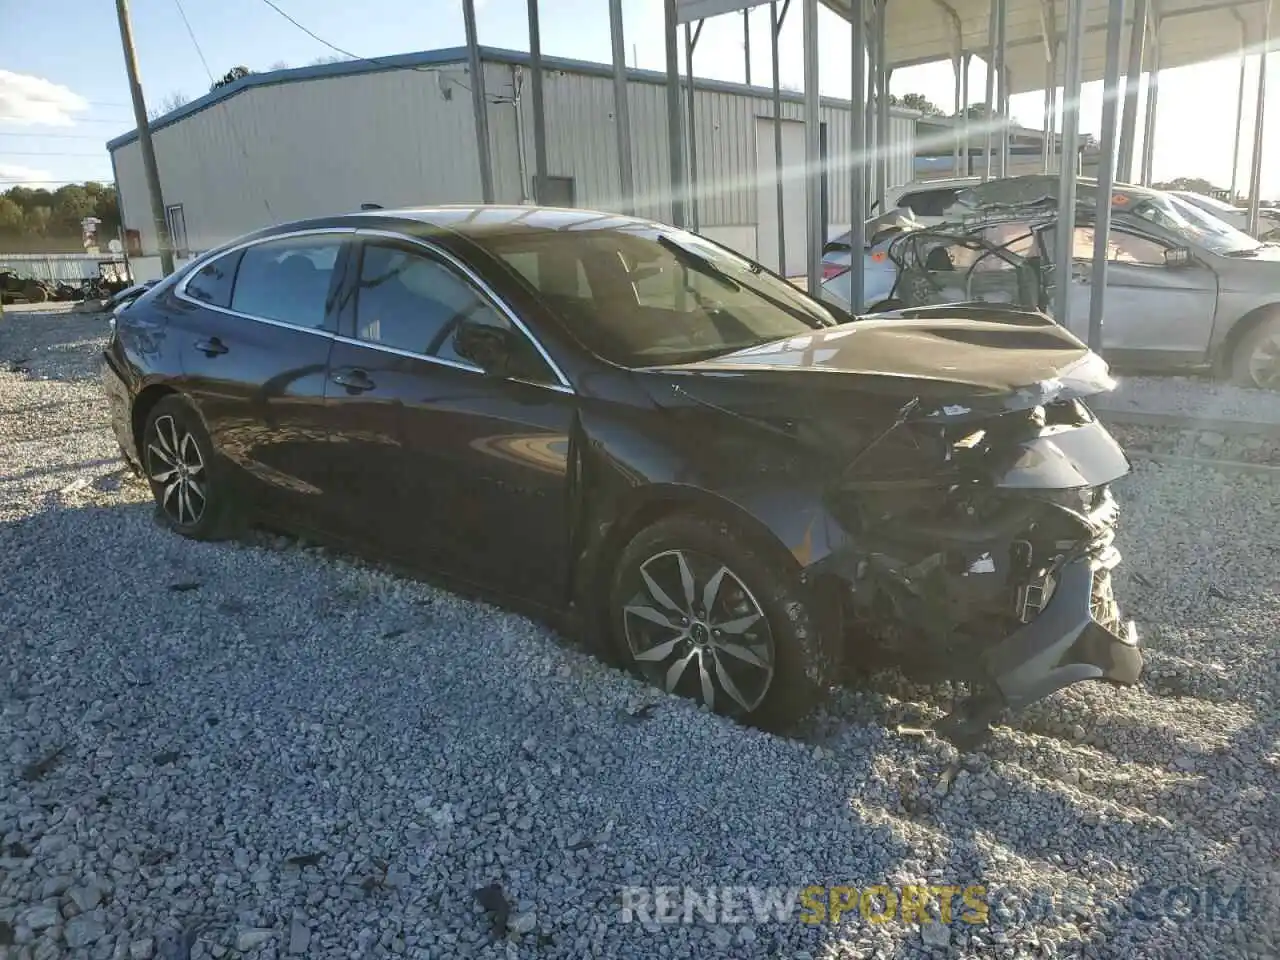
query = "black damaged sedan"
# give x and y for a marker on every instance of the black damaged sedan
(673, 451)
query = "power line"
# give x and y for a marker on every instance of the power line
(376, 62)
(53, 136)
(194, 42)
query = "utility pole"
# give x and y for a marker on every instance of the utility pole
(144, 140)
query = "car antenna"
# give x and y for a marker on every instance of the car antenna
(370, 206)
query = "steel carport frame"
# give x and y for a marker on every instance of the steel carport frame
(1013, 36)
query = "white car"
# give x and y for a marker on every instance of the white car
(1238, 217)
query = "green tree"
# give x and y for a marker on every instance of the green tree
(12, 219)
(231, 76)
(916, 101)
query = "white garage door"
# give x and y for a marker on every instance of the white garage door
(793, 197)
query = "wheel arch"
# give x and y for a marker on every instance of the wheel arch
(650, 504)
(1222, 361)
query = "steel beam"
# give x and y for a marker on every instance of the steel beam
(1255, 172)
(1153, 100)
(622, 109)
(539, 106)
(675, 148)
(776, 16)
(857, 158)
(1106, 172)
(812, 150)
(479, 102)
(1066, 170)
(746, 44)
(1235, 150)
(1132, 81)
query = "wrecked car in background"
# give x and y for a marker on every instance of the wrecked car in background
(1184, 289)
(658, 441)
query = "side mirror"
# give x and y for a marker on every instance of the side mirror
(487, 346)
(1177, 257)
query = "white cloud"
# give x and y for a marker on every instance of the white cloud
(33, 100)
(15, 176)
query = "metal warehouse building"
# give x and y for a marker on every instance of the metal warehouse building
(400, 131)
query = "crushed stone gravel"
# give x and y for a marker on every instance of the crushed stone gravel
(296, 754)
(1199, 397)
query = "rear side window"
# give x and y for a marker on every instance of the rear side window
(211, 284)
(287, 280)
(929, 203)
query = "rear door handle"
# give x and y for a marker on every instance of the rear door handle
(212, 347)
(355, 381)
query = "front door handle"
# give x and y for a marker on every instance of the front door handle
(355, 381)
(212, 347)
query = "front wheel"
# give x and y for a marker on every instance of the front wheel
(702, 613)
(1256, 360)
(177, 457)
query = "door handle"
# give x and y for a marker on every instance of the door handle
(212, 347)
(355, 381)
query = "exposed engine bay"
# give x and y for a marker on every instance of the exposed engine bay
(999, 565)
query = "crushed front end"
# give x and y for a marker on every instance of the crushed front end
(995, 567)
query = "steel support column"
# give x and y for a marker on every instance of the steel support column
(746, 44)
(989, 98)
(1153, 102)
(776, 17)
(1063, 242)
(1235, 150)
(812, 151)
(675, 148)
(690, 42)
(479, 102)
(1106, 172)
(1046, 142)
(1132, 81)
(621, 109)
(1002, 75)
(857, 158)
(883, 74)
(1255, 171)
(958, 112)
(539, 106)
(965, 132)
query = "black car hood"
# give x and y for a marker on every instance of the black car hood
(955, 367)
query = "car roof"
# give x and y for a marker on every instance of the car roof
(482, 219)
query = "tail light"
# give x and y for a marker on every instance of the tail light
(830, 270)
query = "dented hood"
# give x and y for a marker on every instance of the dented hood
(955, 367)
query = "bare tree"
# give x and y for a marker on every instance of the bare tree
(167, 105)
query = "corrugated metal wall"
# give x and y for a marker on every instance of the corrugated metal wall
(406, 137)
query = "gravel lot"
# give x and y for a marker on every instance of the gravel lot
(263, 749)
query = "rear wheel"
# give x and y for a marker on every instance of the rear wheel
(35, 293)
(177, 457)
(700, 612)
(1256, 360)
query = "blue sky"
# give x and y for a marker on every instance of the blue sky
(63, 90)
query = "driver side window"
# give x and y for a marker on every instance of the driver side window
(411, 301)
(1122, 247)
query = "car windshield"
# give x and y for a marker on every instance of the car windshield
(1206, 201)
(1194, 225)
(650, 296)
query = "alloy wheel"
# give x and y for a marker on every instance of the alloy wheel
(693, 628)
(1264, 362)
(176, 466)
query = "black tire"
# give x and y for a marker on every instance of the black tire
(191, 497)
(1245, 370)
(759, 578)
(35, 293)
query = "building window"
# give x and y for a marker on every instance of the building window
(177, 222)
